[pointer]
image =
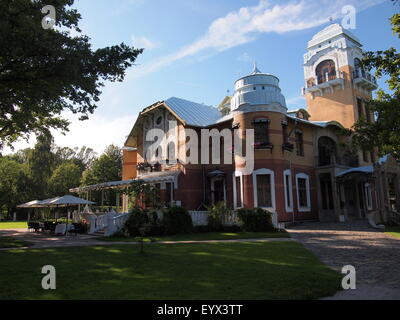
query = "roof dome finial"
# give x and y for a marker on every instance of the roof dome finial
(255, 69)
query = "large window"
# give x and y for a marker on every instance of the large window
(326, 71)
(264, 188)
(303, 192)
(237, 190)
(261, 136)
(169, 188)
(287, 181)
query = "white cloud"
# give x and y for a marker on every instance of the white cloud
(143, 42)
(245, 57)
(97, 133)
(243, 26)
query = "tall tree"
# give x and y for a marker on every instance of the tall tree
(64, 177)
(13, 185)
(41, 163)
(106, 168)
(46, 71)
(384, 132)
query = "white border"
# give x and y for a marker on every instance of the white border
(308, 207)
(288, 173)
(235, 175)
(271, 173)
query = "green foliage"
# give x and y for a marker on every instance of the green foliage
(256, 220)
(144, 193)
(46, 71)
(384, 133)
(106, 168)
(40, 165)
(65, 177)
(177, 220)
(13, 184)
(143, 223)
(216, 215)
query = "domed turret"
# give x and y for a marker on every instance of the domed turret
(258, 92)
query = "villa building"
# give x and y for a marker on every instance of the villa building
(304, 165)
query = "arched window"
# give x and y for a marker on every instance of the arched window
(325, 71)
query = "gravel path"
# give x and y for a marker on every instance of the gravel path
(374, 254)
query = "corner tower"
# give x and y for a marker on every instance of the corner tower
(258, 92)
(336, 88)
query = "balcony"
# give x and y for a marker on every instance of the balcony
(364, 79)
(146, 167)
(329, 80)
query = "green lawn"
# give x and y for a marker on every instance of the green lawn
(207, 236)
(6, 242)
(250, 270)
(13, 225)
(393, 231)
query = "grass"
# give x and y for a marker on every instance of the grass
(249, 270)
(6, 242)
(206, 236)
(393, 231)
(13, 225)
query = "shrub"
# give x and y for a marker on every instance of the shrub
(256, 220)
(142, 220)
(177, 220)
(216, 216)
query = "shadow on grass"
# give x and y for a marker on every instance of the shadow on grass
(283, 270)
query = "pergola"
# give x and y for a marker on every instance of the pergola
(150, 178)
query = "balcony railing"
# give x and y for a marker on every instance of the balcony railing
(326, 78)
(146, 167)
(361, 73)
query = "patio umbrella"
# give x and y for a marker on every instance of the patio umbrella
(67, 201)
(31, 204)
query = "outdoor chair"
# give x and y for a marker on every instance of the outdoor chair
(72, 229)
(61, 229)
(35, 226)
(31, 226)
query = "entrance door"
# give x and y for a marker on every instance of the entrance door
(350, 203)
(217, 190)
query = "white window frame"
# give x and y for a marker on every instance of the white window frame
(288, 173)
(308, 207)
(235, 175)
(368, 196)
(272, 175)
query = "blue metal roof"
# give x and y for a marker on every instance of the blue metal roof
(366, 169)
(194, 114)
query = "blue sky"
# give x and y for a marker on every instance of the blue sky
(196, 49)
